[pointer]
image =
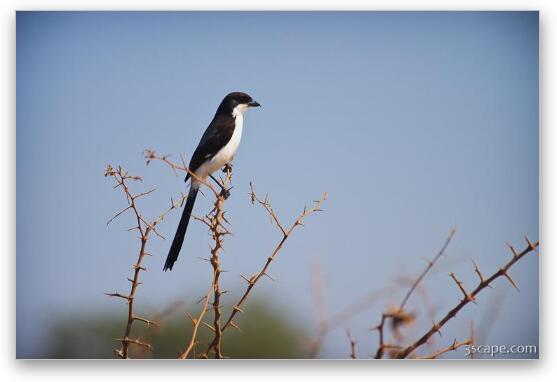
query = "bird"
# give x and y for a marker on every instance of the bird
(215, 150)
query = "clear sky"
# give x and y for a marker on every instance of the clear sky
(412, 122)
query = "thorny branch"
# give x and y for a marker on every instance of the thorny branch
(358, 306)
(252, 281)
(215, 221)
(151, 155)
(144, 227)
(381, 329)
(196, 322)
(399, 315)
(455, 345)
(470, 297)
(430, 264)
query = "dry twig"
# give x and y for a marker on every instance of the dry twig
(196, 322)
(398, 318)
(144, 227)
(430, 264)
(215, 222)
(399, 314)
(352, 344)
(252, 281)
(151, 155)
(325, 326)
(470, 297)
(455, 345)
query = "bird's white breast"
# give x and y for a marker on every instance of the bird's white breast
(234, 143)
(226, 154)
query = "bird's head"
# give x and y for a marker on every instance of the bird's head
(236, 103)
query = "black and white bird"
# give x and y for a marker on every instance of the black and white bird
(216, 149)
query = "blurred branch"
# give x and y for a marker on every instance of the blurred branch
(472, 337)
(430, 264)
(398, 318)
(470, 297)
(318, 291)
(327, 325)
(144, 227)
(399, 315)
(352, 345)
(381, 329)
(455, 345)
(490, 316)
(424, 296)
(169, 310)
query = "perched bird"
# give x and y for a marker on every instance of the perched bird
(215, 150)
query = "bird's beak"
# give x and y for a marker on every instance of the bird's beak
(253, 104)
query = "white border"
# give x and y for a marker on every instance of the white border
(269, 370)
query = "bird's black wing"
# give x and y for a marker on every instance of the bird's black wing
(216, 136)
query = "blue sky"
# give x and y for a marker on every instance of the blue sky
(412, 122)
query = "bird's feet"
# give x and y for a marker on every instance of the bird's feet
(225, 193)
(227, 168)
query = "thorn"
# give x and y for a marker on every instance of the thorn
(461, 287)
(148, 322)
(236, 308)
(193, 320)
(512, 250)
(265, 274)
(249, 281)
(510, 280)
(437, 328)
(209, 326)
(477, 270)
(530, 245)
(116, 294)
(235, 326)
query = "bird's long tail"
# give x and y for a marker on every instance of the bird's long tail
(182, 228)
